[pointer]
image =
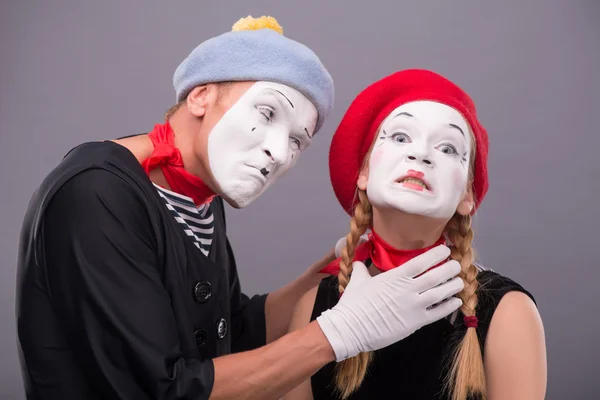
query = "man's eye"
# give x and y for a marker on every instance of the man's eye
(295, 144)
(266, 112)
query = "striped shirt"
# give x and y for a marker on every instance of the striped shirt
(197, 222)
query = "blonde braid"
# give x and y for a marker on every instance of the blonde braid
(351, 372)
(358, 225)
(466, 375)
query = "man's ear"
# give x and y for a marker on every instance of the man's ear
(199, 99)
(466, 204)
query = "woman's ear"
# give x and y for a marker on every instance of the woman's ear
(363, 178)
(466, 204)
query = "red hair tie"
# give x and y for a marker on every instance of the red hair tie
(471, 322)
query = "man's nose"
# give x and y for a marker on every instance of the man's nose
(276, 146)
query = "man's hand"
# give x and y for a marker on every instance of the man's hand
(342, 242)
(319, 265)
(375, 312)
(372, 313)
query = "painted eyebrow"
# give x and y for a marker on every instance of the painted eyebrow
(292, 104)
(456, 127)
(281, 93)
(410, 115)
(403, 113)
(289, 101)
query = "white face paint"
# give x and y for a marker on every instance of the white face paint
(420, 160)
(259, 139)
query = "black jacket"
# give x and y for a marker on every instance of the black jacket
(114, 301)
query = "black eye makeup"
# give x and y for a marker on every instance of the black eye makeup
(267, 112)
(400, 137)
(272, 103)
(396, 137)
(448, 148)
(295, 143)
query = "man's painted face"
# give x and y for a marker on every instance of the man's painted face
(258, 139)
(420, 160)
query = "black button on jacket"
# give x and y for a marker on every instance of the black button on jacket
(114, 301)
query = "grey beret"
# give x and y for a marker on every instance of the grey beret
(257, 55)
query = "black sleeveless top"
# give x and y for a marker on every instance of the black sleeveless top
(414, 368)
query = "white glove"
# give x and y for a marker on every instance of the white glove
(342, 242)
(375, 312)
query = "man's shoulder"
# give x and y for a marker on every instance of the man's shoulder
(93, 179)
(98, 154)
(87, 168)
(101, 155)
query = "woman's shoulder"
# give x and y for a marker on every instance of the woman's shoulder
(513, 345)
(493, 288)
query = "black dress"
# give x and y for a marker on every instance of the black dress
(415, 367)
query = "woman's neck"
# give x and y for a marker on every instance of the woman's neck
(406, 231)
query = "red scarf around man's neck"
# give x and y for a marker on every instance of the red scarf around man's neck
(168, 158)
(384, 256)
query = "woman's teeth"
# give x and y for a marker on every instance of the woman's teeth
(415, 182)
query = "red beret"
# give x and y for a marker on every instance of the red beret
(356, 131)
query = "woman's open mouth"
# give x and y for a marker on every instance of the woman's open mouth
(413, 183)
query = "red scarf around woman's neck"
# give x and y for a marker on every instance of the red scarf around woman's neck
(166, 156)
(384, 256)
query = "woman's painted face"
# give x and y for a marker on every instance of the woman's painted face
(420, 161)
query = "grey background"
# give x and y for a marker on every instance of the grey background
(73, 71)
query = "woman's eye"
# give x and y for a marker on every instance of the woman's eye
(266, 112)
(400, 137)
(448, 149)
